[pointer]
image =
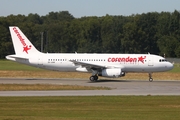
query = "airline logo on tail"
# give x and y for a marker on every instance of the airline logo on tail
(25, 46)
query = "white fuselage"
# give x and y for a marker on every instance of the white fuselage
(126, 62)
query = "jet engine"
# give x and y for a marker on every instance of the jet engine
(115, 72)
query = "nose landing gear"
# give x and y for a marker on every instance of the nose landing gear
(150, 77)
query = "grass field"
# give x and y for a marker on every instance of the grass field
(90, 108)
(12, 69)
(26, 87)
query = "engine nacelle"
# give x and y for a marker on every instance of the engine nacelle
(115, 72)
(81, 69)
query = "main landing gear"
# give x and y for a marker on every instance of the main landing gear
(93, 78)
(150, 77)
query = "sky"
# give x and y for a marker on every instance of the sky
(81, 8)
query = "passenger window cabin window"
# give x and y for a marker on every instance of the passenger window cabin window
(162, 60)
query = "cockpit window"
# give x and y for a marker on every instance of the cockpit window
(162, 60)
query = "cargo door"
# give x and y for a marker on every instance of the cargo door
(150, 60)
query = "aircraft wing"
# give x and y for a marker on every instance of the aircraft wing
(90, 66)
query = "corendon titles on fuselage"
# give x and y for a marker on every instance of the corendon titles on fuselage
(126, 59)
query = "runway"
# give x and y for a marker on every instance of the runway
(119, 87)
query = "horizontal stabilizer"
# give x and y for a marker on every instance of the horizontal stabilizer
(16, 56)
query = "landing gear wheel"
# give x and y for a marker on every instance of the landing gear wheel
(93, 78)
(150, 79)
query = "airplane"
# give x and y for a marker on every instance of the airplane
(105, 65)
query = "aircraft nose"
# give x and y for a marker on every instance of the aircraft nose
(170, 66)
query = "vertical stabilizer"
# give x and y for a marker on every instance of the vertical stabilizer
(22, 45)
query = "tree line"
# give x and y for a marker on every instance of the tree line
(153, 32)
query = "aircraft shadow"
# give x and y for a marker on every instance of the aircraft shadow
(32, 79)
(106, 80)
